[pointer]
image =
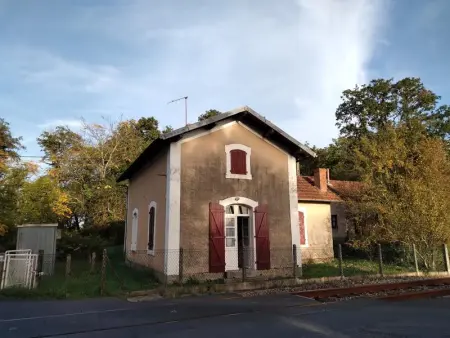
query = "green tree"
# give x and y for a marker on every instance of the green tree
(9, 146)
(167, 129)
(209, 113)
(57, 143)
(369, 108)
(147, 127)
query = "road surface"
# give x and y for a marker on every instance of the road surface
(225, 316)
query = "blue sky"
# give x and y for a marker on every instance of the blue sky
(61, 61)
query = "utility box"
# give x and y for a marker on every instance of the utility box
(39, 237)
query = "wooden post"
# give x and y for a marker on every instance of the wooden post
(294, 256)
(68, 265)
(92, 259)
(341, 267)
(103, 273)
(447, 263)
(380, 260)
(416, 263)
(180, 263)
(40, 264)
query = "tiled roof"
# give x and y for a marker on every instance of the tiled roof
(307, 191)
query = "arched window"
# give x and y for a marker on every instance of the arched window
(134, 229)
(151, 227)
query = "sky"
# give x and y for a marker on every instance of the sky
(289, 60)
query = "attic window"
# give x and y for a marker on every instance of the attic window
(238, 161)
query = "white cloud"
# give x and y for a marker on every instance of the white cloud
(288, 60)
(71, 123)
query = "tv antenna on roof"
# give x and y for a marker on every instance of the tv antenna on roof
(185, 106)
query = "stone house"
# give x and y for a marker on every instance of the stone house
(220, 194)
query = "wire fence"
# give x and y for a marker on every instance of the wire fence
(114, 272)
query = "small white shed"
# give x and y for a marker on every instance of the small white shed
(39, 237)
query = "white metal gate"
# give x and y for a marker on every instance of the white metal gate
(19, 269)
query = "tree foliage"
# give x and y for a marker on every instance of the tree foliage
(396, 142)
(209, 113)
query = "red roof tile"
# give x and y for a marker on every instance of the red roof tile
(307, 191)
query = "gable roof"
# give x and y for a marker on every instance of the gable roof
(245, 115)
(308, 191)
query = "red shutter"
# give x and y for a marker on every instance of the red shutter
(262, 238)
(301, 222)
(238, 162)
(216, 238)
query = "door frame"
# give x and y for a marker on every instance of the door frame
(251, 204)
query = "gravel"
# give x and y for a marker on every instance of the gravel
(327, 285)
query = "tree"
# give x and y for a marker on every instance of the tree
(167, 129)
(406, 195)
(147, 128)
(57, 143)
(42, 201)
(209, 113)
(396, 141)
(9, 146)
(333, 158)
(14, 177)
(369, 108)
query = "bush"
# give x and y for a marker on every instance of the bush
(75, 243)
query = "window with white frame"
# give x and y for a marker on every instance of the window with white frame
(238, 161)
(134, 229)
(151, 228)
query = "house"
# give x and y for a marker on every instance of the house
(218, 195)
(322, 198)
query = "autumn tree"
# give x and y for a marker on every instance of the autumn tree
(397, 144)
(42, 201)
(209, 113)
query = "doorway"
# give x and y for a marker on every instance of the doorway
(243, 231)
(238, 237)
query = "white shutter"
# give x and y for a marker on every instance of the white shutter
(134, 230)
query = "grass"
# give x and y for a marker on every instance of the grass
(82, 283)
(351, 267)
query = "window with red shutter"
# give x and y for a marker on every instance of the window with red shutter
(262, 238)
(301, 221)
(238, 162)
(216, 238)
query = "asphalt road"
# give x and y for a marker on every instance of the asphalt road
(225, 316)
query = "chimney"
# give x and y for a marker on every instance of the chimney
(320, 179)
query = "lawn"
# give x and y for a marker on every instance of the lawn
(351, 267)
(84, 283)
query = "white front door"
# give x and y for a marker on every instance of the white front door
(231, 247)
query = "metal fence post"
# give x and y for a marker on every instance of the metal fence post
(68, 265)
(446, 261)
(294, 253)
(40, 265)
(180, 264)
(341, 267)
(416, 263)
(380, 260)
(103, 275)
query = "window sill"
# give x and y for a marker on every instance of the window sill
(244, 177)
(151, 252)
